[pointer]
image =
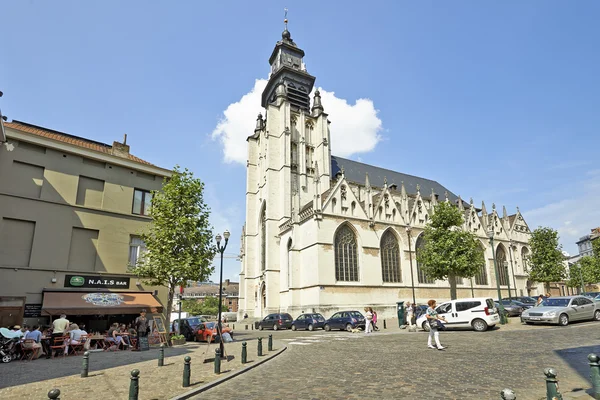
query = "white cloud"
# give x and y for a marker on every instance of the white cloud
(354, 127)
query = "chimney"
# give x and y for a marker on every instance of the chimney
(226, 282)
(121, 149)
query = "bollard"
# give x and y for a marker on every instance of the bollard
(595, 374)
(86, 364)
(187, 371)
(233, 327)
(384, 324)
(259, 346)
(134, 385)
(552, 385)
(161, 355)
(252, 326)
(244, 353)
(53, 394)
(246, 327)
(270, 343)
(508, 394)
(217, 361)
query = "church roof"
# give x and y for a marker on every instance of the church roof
(356, 172)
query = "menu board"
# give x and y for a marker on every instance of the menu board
(143, 341)
(160, 324)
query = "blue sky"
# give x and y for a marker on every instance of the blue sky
(495, 100)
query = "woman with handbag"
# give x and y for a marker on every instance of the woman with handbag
(434, 322)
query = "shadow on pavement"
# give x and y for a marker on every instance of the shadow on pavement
(577, 359)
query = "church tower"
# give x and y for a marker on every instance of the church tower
(288, 153)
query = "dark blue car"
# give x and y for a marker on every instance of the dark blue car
(345, 320)
(309, 322)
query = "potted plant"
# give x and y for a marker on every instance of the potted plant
(177, 340)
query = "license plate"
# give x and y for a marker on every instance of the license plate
(495, 317)
(534, 318)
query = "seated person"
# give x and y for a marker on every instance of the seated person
(113, 335)
(125, 334)
(36, 336)
(74, 336)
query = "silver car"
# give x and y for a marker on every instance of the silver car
(562, 310)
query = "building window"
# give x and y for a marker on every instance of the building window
(142, 202)
(390, 258)
(137, 248)
(502, 265)
(481, 276)
(263, 239)
(420, 274)
(346, 260)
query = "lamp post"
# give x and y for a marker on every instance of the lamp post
(221, 249)
(581, 278)
(511, 244)
(412, 279)
(500, 306)
(505, 265)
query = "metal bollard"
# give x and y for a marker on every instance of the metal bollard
(217, 361)
(259, 346)
(246, 327)
(252, 326)
(134, 385)
(595, 374)
(53, 394)
(187, 371)
(270, 343)
(86, 364)
(244, 353)
(161, 355)
(233, 327)
(384, 324)
(508, 394)
(552, 384)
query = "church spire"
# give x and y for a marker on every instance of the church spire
(317, 107)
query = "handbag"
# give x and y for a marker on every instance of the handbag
(437, 324)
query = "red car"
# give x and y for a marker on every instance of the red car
(208, 331)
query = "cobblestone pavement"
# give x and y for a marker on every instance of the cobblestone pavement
(393, 364)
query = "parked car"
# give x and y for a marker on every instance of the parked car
(525, 299)
(510, 308)
(562, 310)
(208, 331)
(276, 321)
(479, 313)
(591, 295)
(347, 320)
(188, 326)
(421, 309)
(309, 322)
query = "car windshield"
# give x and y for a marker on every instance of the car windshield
(356, 314)
(210, 325)
(194, 322)
(555, 302)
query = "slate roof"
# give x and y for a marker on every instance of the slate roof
(67, 138)
(355, 171)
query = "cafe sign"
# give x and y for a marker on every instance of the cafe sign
(85, 281)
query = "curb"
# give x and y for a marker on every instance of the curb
(225, 378)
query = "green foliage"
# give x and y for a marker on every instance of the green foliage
(586, 271)
(177, 337)
(179, 241)
(449, 252)
(209, 306)
(546, 261)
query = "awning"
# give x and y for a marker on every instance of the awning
(105, 303)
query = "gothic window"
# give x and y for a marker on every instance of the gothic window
(390, 258)
(353, 207)
(481, 277)
(502, 265)
(294, 155)
(420, 273)
(289, 263)
(346, 257)
(263, 239)
(333, 203)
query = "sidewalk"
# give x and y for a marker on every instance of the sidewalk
(155, 382)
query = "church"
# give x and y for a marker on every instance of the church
(325, 233)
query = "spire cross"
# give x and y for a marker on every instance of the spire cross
(285, 21)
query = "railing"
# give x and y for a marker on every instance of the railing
(286, 226)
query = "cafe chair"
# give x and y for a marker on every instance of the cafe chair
(79, 348)
(29, 352)
(59, 344)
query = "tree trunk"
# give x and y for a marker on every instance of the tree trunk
(452, 281)
(169, 310)
(547, 286)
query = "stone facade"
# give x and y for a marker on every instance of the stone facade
(300, 198)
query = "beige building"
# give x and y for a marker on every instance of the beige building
(324, 233)
(70, 212)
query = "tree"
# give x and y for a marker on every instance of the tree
(546, 261)
(584, 272)
(208, 306)
(449, 252)
(179, 239)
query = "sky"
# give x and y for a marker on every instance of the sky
(497, 101)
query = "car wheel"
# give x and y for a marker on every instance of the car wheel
(327, 327)
(275, 327)
(563, 320)
(349, 327)
(6, 358)
(293, 327)
(425, 326)
(597, 315)
(311, 327)
(529, 323)
(260, 327)
(479, 325)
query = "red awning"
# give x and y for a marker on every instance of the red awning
(105, 303)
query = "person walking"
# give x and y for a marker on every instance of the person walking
(375, 328)
(368, 320)
(410, 312)
(141, 326)
(433, 318)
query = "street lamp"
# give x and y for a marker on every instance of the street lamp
(221, 249)
(505, 265)
(412, 279)
(511, 245)
(490, 234)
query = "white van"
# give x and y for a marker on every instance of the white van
(478, 313)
